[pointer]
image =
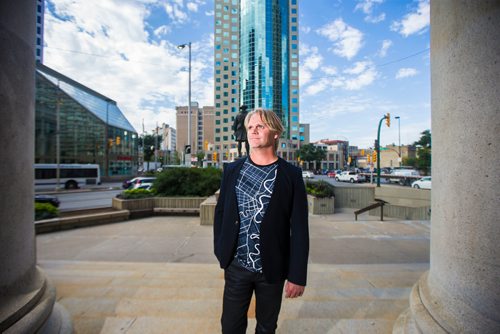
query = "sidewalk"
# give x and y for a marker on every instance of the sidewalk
(158, 275)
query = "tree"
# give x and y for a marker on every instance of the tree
(425, 139)
(200, 155)
(148, 141)
(310, 153)
(423, 160)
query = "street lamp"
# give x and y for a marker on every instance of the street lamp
(399, 139)
(106, 140)
(187, 157)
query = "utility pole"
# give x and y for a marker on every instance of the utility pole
(58, 138)
(399, 140)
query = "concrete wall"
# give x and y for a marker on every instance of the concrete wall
(404, 203)
(353, 197)
(403, 196)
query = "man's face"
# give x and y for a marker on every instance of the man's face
(258, 133)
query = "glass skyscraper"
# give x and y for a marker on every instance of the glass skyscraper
(92, 128)
(256, 64)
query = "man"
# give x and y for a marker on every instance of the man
(261, 235)
(240, 133)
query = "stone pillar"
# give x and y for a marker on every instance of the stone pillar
(461, 291)
(27, 300)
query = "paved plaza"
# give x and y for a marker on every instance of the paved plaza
(159, 275)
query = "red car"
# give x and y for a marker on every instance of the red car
(331, 174)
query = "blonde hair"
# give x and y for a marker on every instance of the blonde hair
(269, 118)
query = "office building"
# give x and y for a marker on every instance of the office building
(202, 128)
(168, 137)
(256, 61)
(92, 127)
(40, 10)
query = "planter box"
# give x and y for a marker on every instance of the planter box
(178, 202)
(207, 211)
(141, 204)
(160, 205)
(320, 206)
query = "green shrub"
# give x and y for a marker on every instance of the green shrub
(184, 181)
(45, 211)
(320, 189)
(136, 193)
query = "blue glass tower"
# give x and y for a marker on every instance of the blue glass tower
(256, 64)
(264, 43)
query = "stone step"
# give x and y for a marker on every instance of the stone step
(115, 297)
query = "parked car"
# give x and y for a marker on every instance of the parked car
(138, 180)
(423, 183)
(350, 176)
(143, 185)
(47, 199)
(402, 173)
(307, 174)
(331, 174)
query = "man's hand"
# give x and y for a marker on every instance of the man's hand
(293, 290)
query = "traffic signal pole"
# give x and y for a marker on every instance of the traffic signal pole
(387, 117)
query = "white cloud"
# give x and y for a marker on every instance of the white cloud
(315, 77)
(330, 70)
(365, 78)
(175, 12)
(347, 41)
(311, 60)
(305, 29)
(386, 44)
(416, 22)
(366, 6)
(105, 46)
(406, 72)
(316, 87)
(191, 6)
(358, 67)
(162, 31)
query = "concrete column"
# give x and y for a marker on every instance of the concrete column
(461, 291)
(27, 300)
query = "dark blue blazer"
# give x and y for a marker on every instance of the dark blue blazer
(284, 231)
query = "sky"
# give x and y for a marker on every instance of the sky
(358, 61)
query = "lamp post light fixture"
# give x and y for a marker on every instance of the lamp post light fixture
(399, 139)
(187, 157)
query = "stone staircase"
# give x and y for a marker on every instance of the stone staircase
(125, 297)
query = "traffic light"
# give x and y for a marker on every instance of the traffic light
(388, 120)
(110, 142)
(214, 156)
(362, 152)
(205, 146)
(376, 144)
(374, 156)
(368, 158)
(187, 149)
(118, 140)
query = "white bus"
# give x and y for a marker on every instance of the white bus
(71, 176)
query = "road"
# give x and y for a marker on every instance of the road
(101, 197)
(347, 184)
(86, 200)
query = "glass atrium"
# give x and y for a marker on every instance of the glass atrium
(92, 127)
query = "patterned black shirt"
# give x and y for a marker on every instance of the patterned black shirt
(253, 191)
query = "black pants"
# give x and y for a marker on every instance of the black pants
(239, 287)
